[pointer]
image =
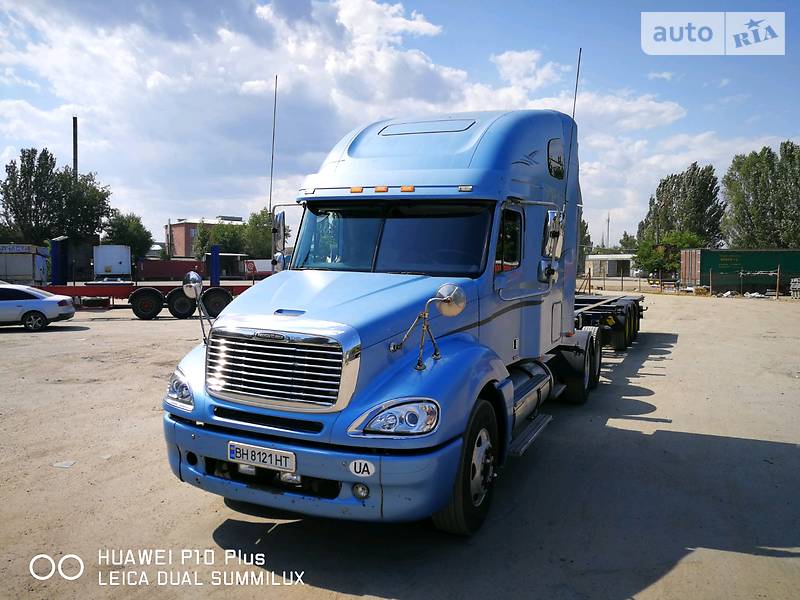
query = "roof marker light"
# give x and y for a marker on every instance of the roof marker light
(406, 188)
(381, 188)
(356, 189)
(465, 188)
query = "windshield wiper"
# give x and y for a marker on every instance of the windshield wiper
(407, 273)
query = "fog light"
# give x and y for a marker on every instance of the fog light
(292, 478)
(360, 491)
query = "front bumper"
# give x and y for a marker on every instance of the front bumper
(404, 487)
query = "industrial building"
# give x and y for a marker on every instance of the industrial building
(609, 265)
(180, 235)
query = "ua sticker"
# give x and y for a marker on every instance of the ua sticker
(362, 468)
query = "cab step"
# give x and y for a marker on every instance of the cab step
(527, 436)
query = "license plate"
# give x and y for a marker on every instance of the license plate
(269, 458)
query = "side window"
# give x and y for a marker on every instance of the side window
(12, 294)
(509, 241)
(555, 158)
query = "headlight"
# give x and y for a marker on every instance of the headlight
(179, 394)
(410, 418)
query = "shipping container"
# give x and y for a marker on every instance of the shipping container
(24, 264)
(112, 260)
(739, 270)
(169, 270)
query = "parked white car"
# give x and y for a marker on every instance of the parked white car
(32, 307)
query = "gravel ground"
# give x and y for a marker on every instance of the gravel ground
(680, 478)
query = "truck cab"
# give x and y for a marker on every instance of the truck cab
(405, 353)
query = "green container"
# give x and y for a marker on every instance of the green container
(739, 270)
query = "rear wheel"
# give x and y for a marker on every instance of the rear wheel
(215, 300)
(597, 363)
(147, 304)
(180, 305)
(34, 321)
(628, 326)
(619, 337)
(472, 492)
(579, 382)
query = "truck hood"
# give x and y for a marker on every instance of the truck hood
(376, 305)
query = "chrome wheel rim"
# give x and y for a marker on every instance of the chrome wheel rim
(481, 470)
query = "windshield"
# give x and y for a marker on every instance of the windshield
(427, 237)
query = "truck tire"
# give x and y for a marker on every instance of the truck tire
(637, 319)
(215, 300)
(579, 383)
(34, 320)
(597, 363)
(180, 305)
(146, 303)
(472, 491)
(619, 338)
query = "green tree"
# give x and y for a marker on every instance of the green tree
(665, 256)
(9, 234)
(258, 234)
(763, 194)
(28, 194)
(687, 202)
(80, 207)
(228, 236)
(40, 202)
(627, 242)
(202, 241)
(584, 243)
(128, 230)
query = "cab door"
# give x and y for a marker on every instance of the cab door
(501, 320)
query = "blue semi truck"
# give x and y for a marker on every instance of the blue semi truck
(403, 356)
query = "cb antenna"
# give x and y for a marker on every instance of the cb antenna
(272, 156)
(572, 126)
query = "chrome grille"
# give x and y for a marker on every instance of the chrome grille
(244, 368)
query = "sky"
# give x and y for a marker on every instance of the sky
(174, 99)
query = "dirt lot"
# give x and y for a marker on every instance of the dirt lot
(680, 478)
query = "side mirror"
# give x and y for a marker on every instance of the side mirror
(452, 299)
(279, 262)
(554, 234)
(192, 285)
(279, 231)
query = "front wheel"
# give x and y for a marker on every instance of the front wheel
(472, 492)
(34, 321)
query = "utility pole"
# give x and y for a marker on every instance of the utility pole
(75, 147)
(608, 229)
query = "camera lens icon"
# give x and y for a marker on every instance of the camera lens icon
(53, 566)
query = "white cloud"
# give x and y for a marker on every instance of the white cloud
(521, 69)
(257, 87)
(665, 75)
